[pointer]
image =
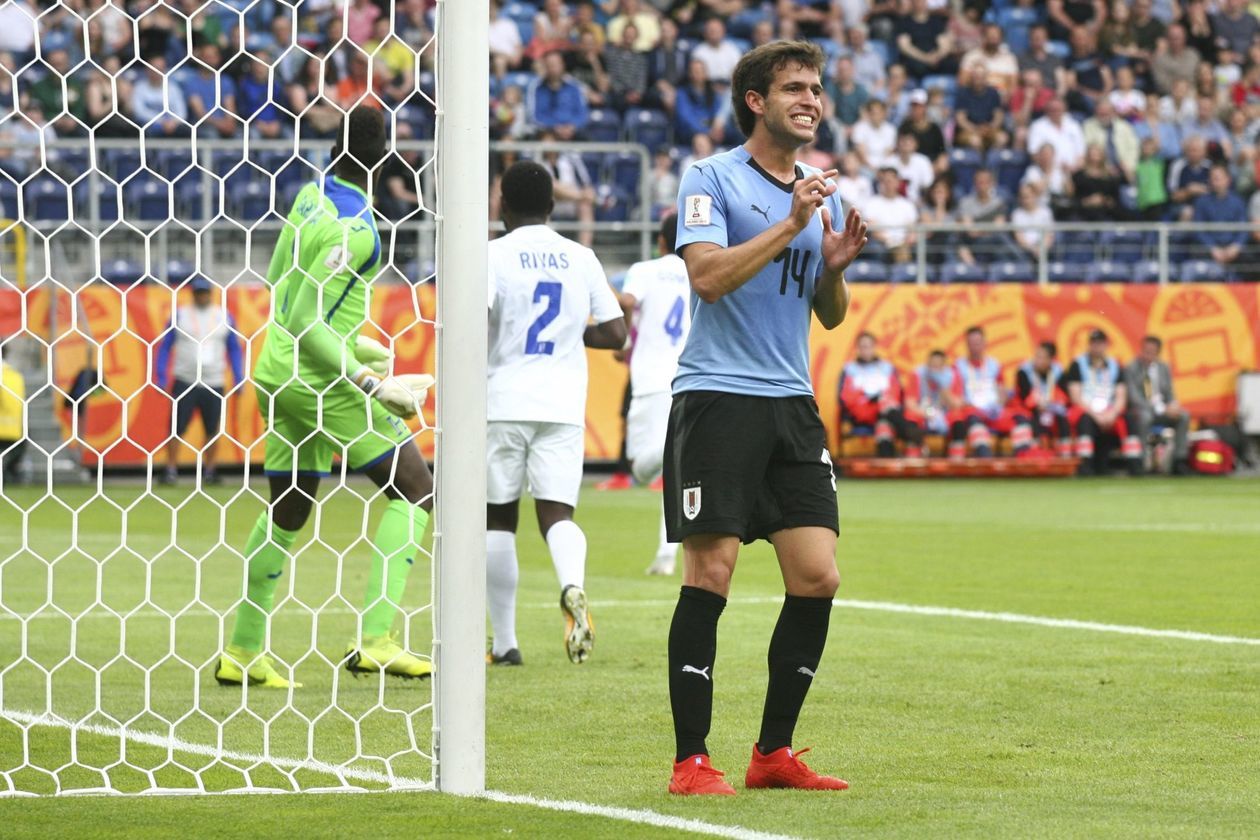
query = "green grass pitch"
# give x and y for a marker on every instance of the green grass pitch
(944, 725)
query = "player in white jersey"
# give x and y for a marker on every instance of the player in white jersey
(544, 292)
(655, 298)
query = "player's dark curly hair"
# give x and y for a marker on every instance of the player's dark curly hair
(527, 190)
(669, 231)
(755, 71)
(361, 144)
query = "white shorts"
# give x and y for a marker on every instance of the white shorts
(646, 424)
(550, 455)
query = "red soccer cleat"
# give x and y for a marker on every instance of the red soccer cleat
(616, 481)
(784, 769)
(695, 776)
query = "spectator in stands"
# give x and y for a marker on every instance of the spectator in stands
(393, 61)
(1179, 107)
(260, 99)
(718, 53)
(645, 23)
(555, 102)
(1038, 393)
(17, 28)
(929, 140)
(938, 209)
(1148, 31)
(812, 18)
(1152, 401)
(585, 65)
(312, 96)
(698, 106)
(668, 65)
(1027, 103)
(965, 29)
(157, 101)
(627, 71)
(336, 53)
(998, 63)
(1236, 28)
(1206, 126)
(1220, 204)
(868, 62)
(1033, 221)
(897, 91)
(1151, 180)
(1245, 93)
(1051, 180)
(873, 137)
(1089, 78)
(1096, 188)
(850, 98)
(1188, 177)
(1205, 84)
(1167, 136)
(361, 19)
(1067, 17)
(20, 136)
(854, 187)
(1200, 34)
(985, 406)
(1129, 102)
(1115, 137)
(399, 187)
(930, 394)
(664, 184)
(701, 148)
(584, 21)
(1061, 131)
(12, 423)
(48, 93)
(1117, 40)
(984, 206)
(1242, 146)
(870, 395)
(762, 32)
(891, 217)
(362, 83)
(1038, 57)
(289, 65)
(923, 43)
(1097, 401)
(552, 25)
(574, 188)
(506, 48)
(914, 169)
(509, 120)
(1174, 60)
(979, 119)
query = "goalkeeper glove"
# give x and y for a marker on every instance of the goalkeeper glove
(401, 395)
(370, 352)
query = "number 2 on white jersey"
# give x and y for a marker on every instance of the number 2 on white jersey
(551, 291)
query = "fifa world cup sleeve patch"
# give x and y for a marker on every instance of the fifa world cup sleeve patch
(699, 210)
(336, 257)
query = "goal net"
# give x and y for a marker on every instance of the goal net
(149, 157)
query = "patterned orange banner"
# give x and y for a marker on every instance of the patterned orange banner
(1211, 333)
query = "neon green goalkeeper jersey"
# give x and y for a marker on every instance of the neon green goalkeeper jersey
(326, 258)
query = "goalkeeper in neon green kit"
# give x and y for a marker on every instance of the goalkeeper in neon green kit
(323, 389)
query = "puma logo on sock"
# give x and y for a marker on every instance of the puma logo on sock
(805, 671)
(704, 672)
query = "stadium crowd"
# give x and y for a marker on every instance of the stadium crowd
(942, 112)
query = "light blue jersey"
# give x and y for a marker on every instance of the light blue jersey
(755, 340)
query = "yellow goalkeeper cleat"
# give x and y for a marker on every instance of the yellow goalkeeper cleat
(383, 653)
(261, 673)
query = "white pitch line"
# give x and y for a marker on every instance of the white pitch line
(872, 606)
(639, 816)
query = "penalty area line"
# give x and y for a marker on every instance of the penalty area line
(249, 761)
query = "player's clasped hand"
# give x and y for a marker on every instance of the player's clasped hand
(841, 247)
(809, 194)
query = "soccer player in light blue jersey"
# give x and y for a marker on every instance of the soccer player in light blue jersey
(746, 453)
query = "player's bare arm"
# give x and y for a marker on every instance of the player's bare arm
(839, 249)
(716, 271)
(610, 335)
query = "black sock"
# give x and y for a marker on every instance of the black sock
(795, 651)
(692, 649)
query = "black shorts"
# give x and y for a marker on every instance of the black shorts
(747, 466)
(202, 399)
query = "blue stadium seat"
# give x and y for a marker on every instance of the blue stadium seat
(604, 126)
(626, 168)
(961, 272)
(1075, 246)
(147, 198)
(189, 193)
(69, 162)
(178, 271)
(1126, 246)
(1109, 271)
(122, 272)
(1009, 271)
(250, 203)
(1147, 271)
(170, 163)
(945, 82)
(907, 272)
(740, 24)
(867, 271)
(47, 199)
(963, 163)
(417, 118)
(8, 199)
(1201, 271)
(1015, 22)
(120, 164)
(1009, 166)
(651, 128)
(108, 200)
(519, 78)
(1059, 49)
(612, 205)
(522, 14)
(1064, 272)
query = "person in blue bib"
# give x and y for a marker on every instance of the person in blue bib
(1097, 398)
(746, 454)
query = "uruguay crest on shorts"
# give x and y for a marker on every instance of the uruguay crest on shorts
(691, 502)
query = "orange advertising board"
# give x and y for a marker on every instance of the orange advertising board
(1211, 332)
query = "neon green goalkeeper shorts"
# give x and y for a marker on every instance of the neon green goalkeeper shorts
(306, 429)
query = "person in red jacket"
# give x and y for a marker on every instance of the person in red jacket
(870, 395)
(986, 408)
(1039, 392)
